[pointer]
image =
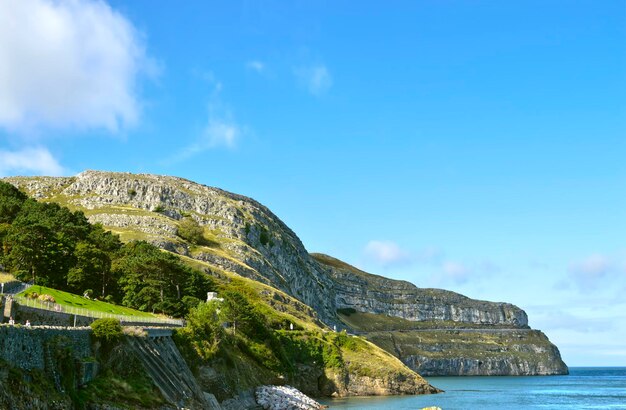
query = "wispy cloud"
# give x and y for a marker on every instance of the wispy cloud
(455, 272)
(29, 161)
(221, 129)
(556, 318)
(589, 273)
(256, 65)
(316, 78)
(68, 64)
(429, 255)
(386, 253)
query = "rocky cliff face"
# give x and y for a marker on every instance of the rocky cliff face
(246, 238)
(473, 352)
(441, 333)
(376, 294)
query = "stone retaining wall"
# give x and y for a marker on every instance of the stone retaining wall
(25, 347)
(48, 317)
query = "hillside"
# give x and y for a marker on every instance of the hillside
(241, 237)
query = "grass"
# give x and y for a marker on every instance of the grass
(371, 322)
(454, 344)
(69, 299)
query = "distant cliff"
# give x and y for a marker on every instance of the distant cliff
(246, 238)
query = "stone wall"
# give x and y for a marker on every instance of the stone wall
(26, 347)
(47, 317)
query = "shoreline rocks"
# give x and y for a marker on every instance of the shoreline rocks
(284, 398)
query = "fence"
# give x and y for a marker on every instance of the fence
(55, 307)
(14, 286)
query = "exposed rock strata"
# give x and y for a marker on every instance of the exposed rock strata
(376, 294)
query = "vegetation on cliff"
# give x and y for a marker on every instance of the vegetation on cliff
(259, 344)
(50, 245)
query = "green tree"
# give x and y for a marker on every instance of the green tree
(28, 250)
(191, 231)
(151, 279)
(11, 200)
(237, 310)
(92, 269)
(42, 240)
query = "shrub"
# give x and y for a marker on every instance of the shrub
(264, 237)
(46, 298)
(346, 311)
(107, 330)
(191, 231)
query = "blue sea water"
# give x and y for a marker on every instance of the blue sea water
(583, 388)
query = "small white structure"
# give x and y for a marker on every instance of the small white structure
(213, 296)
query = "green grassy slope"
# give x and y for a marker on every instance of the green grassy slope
(68, 299)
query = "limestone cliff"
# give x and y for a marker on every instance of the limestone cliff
(246, 238)
(376, 294)
(441, 333)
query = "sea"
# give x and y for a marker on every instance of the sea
(583, 388)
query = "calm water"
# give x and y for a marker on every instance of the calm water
(584, 388)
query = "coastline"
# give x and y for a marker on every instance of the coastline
(598, 387)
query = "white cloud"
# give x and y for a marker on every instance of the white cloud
(590, 272)
(256, 65)
(72, 63)
(219, 132)
(221, 129)
(430, 255)
(386, 253)
(555, 318)
(316, 78)
(34, 160)
(455, 272)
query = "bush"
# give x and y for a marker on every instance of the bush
(346, 311)
(264, 237)
(46, 298)
(191, 231)
(107, 330)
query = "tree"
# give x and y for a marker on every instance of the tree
(191, 231)
(140, 265)
(11, 200)
(205, 323)
(237, 310)
(28, 249)
(92, 269)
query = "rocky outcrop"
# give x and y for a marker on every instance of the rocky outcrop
(473, 352)
(284, 398)
(343, 384)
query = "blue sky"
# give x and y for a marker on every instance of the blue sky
(474, 146)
